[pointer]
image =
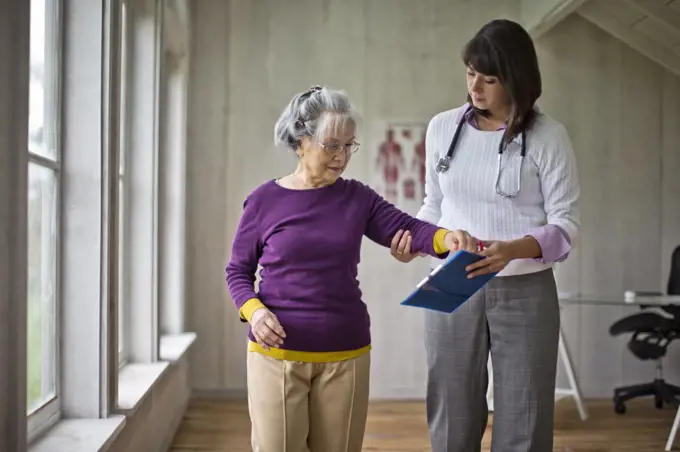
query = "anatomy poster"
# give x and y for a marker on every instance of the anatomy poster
(398, 162)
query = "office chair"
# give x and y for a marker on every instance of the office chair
(652, 332)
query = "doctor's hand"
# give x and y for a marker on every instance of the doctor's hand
(400, 248)
(497, 255)
(266, 328)
(461, 240)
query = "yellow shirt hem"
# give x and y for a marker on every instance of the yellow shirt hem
(307, 357)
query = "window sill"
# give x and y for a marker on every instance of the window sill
(136, 382)
(80, 435)
(174, 346)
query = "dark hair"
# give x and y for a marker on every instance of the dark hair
(504, 49)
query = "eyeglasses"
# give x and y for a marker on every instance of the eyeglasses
(335, 149)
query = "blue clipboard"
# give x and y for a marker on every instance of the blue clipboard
(447, 286)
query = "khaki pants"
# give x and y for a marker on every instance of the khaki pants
(307, 407)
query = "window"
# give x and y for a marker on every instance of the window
(90, 182)
(172, 169)
(123, 191)
(43, 215)
(137, 90)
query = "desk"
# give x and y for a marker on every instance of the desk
(618, 300)
(615, 301)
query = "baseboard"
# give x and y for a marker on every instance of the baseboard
(219, 394)
(174, 427)
(242, 395)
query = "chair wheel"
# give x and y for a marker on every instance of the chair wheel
(658, 402)
(619, 407)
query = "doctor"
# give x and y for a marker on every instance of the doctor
(498, 170)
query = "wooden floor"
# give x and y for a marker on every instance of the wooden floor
(400, 427)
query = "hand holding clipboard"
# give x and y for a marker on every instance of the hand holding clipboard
(496, 256)
(448, 286)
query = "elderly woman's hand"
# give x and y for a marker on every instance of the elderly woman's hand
(266, 328)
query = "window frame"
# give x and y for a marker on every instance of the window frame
(172, 166)
(49, 413)
(86, 80)
(122, 127)
(144, 27)
(84, 288)
(87, 293)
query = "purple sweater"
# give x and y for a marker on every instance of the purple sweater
(308, 243)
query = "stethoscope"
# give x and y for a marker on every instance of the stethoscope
(445, 162)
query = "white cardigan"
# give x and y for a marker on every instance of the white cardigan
(464, 197)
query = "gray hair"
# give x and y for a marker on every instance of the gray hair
(313, 113)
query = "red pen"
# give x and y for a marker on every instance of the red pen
(480, 246)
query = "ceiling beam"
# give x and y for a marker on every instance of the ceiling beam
(661, 12)
(595, 13)
(540, 16)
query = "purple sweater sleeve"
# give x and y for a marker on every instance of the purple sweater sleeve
(385, 220)
(554, 242)
(245, 255)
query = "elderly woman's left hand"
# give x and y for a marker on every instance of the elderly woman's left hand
(497, 255)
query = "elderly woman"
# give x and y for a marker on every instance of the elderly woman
(309, 337)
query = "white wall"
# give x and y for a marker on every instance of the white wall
(274, 51)
(206, 207)
(533, 11)
(623, 112)
(400, 59)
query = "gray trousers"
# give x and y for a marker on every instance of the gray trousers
(517, 320)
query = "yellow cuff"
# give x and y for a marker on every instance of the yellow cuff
(249, 307)
(438, 242)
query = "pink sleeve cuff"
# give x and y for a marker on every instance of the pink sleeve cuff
(554, 242)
